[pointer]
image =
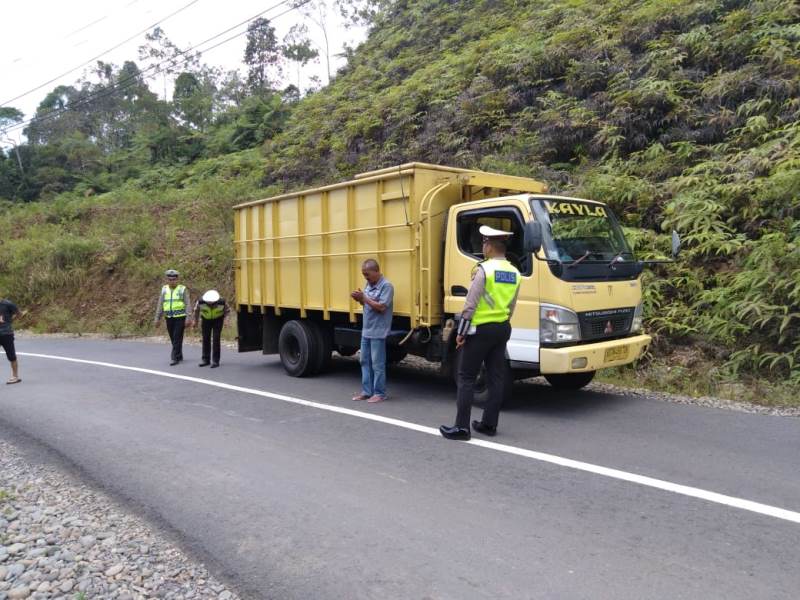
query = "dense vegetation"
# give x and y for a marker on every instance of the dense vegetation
(681, 114)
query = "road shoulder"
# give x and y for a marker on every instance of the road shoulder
(60, 538)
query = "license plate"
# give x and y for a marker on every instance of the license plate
(616, 353)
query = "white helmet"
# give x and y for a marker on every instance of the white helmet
(211, 296)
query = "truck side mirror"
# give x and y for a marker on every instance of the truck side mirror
(533, 237)
(676, 244)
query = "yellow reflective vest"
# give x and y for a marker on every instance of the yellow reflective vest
(174, 305)
(502, 283)
(212, 311)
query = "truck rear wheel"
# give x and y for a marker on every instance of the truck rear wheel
(297, 346)
(323, 341)
(570, 381)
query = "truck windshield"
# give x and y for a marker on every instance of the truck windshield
(585, 231)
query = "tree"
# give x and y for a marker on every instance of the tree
(261, 55)
(316, 11)
(231, 90)
(165, 57)
(193, 100)
(54, 118)
(10, 116)
(363, 13)
(297, 48)
(258, 119)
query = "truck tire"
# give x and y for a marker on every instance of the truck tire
(481, 388)
(323, 340)
(570, 381)
(297, 346)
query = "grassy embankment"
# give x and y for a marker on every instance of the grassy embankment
(681, 114)
(95, 264)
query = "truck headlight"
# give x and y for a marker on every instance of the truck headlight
(558, 324)
(638, 316)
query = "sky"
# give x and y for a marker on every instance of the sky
(43, 39)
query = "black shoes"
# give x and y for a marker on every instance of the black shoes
(205, 363)
(173, 363)
(459, 433)
(455, 433)
(214, 366)
(484, 429)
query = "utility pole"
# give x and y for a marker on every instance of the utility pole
(16, 151)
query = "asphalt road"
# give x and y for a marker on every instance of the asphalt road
(292, 501)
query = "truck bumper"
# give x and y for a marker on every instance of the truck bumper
(591, 357)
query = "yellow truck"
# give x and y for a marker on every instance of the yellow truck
(298, 256)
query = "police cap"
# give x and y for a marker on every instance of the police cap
(495, 234)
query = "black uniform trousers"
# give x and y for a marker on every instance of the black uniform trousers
(175, 328)
(212, 330)
(487, 345)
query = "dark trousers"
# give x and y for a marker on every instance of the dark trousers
(175, 327)
(7, 344)
(212, 330)
(487, 345)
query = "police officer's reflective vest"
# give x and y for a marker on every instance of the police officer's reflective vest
(212, 311)
(174, 306)
(502, 283)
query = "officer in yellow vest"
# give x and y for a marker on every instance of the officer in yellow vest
(483, 331)
(173, 304)
(211, 310)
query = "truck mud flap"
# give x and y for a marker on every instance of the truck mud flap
(250, 330)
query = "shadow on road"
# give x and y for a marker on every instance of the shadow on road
(530, 396)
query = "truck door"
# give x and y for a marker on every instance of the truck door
(463, 252)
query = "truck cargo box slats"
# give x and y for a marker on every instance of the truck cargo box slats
(303, 251)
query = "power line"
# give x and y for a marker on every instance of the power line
(123, 83)
(73, 33)
(91, 60)
(127, 82)
(96, 21)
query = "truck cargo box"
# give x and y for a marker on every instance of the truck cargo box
(302, 252)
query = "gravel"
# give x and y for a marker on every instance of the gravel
(60, 539)
(707, 401)
(416, 362)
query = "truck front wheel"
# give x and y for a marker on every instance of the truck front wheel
(297, 346)
(570, 381)
(481, 395)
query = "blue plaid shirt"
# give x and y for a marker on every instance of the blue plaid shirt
(376, 324)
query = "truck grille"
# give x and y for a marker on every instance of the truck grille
(609, 323)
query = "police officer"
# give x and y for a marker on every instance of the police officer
(211, 310)
(483, 331)
(173, 304)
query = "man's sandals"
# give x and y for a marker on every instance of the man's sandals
(13, 380)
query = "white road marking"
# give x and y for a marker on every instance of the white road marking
(660, 484)
(400, 479)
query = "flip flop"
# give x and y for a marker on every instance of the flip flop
(13, 381)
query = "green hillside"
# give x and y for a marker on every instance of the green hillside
(679, 114)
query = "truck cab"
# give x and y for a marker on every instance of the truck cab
(580, 304)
